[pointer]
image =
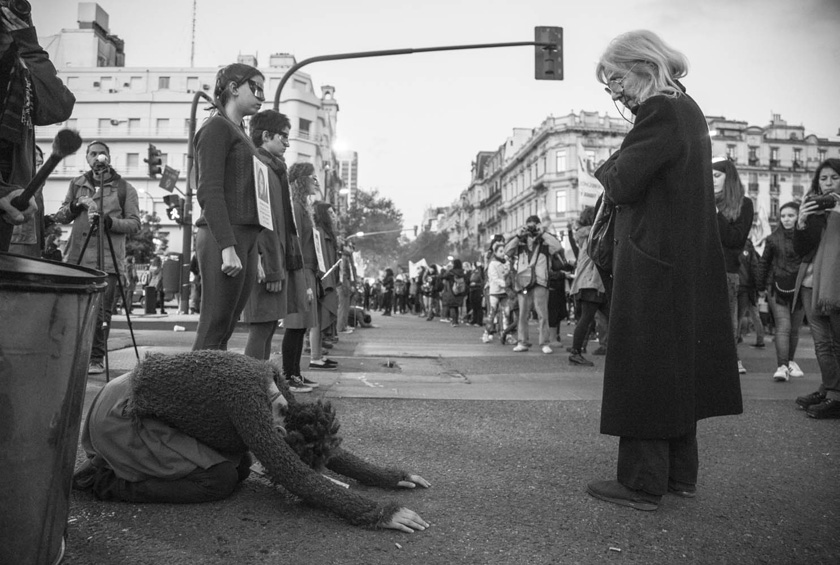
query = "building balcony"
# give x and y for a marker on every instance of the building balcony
(118, 134)
(775, 163)
(753, 162)
(752, 187)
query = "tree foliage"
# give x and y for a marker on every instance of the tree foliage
(141, 245)
(370, 213)
(428, 245)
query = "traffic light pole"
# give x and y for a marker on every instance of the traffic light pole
(548, 46)
(187, 224)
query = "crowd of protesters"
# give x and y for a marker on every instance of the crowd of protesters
(179, 428)
(770, 282)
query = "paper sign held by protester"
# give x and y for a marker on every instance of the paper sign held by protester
(319, 251)
(263, 199)
(589, 188)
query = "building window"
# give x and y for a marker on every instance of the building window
(303, 128)
(163, 83)
(161, 125)
(560, 202)
(753, 156)
(133, 126)
(72, 83)
(731, 153)
(106, 83)
(821, 153)
(774, 208)
(192, 84)
(132, 162)
(561, 160)
(774, 156)
(104, 125)
(136, 84)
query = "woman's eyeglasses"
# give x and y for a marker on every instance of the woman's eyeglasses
(616, 85)
(256, 90)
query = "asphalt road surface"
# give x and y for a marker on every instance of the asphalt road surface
(508, 441)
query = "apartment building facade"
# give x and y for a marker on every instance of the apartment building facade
(131, 107)
(538, 172)
(776, 162)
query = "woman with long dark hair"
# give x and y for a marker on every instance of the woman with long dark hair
(327, 310)
(817, 240)
(735, 216)
(671, 358)
(226, 241)
(778, 272)
(303, 184)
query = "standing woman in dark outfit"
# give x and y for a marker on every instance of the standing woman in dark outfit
(303, 184)
(325, 221)
(273, 295)
(817, 240)
(734, 217)
(671, 358)
(226, 242)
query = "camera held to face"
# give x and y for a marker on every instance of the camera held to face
(20, 8)
(533, 230)
(824, 201)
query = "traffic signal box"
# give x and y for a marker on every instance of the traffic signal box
(548, 58)
(155, 161)
(174, 207)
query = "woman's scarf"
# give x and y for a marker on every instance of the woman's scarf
(827, 267)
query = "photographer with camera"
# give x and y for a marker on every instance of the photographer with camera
(120, 217)
(816, 239)
(532, 247)
(30, 95)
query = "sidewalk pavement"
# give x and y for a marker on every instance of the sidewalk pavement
(508, 441)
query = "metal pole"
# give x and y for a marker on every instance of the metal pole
(389, 52)
(186, 245)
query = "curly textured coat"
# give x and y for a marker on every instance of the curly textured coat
(220, 398)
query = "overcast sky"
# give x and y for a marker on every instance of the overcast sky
(417, 121)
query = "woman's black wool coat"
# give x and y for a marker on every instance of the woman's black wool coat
(671, 359)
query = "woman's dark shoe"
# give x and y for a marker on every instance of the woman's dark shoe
(617, 493)
(827, 409)
(577, 359)
(681, 489)
(810, 399)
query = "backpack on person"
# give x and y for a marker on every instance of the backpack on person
(459, 285)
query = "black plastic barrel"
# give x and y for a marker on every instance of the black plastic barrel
(47, 316)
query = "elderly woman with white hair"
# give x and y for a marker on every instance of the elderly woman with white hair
(671, 359)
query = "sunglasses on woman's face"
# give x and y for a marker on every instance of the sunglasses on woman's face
(256, 90)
